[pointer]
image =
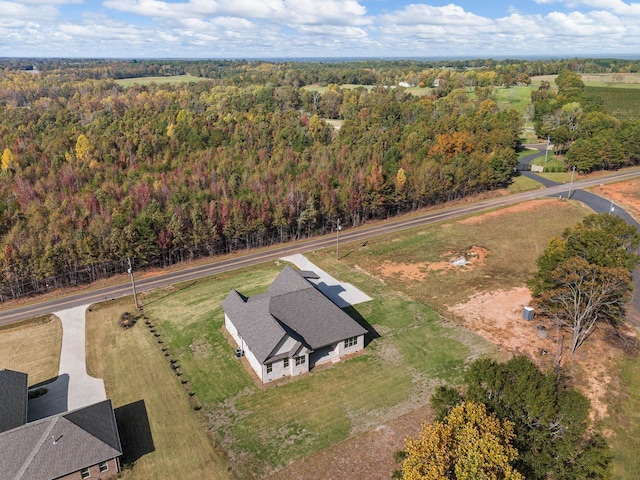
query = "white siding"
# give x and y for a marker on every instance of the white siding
(342, 350)
(255, 364)
(285, 345)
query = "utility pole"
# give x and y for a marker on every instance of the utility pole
(573, 170)
(546, 152)
(133, 284)
(338, 228)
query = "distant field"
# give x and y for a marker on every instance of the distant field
(127, 82)
(622, 103)
(611, 80)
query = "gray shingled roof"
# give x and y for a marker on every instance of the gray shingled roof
(259, 330)
(56, 446)
(14, 398)
(292, 305)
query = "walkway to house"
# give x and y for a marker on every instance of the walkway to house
(73, 388)
(342, 294)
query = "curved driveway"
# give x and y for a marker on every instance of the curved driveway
(599, 205)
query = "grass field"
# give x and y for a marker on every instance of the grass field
(621, 102)
(624, 420)
(128, 82)
(263, 429)
(134, 368)
(32, 347)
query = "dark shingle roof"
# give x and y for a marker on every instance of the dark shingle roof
(259, 330)
(14, 398)
(56, 446)
(292, 305)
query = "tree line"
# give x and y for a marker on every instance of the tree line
(93, 173)
(575, 121)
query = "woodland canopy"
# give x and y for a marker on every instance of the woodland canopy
(93, 173)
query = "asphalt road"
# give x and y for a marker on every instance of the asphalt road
(598, 205)
(242, 260)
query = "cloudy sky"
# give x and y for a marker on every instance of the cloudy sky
(317, 28)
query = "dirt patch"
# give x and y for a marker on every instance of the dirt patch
(520, 207)
(498, 317)
(626, 195)
(200, 349)
(369, 455)
(473, 256)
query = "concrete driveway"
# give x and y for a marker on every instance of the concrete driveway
(341, 293)
(73, 388)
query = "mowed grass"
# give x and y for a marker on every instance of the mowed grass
(265, 428)
(517, 97)
(624, 420)
(32, 347)
(521, 183)
(134, 368)
(128, 82)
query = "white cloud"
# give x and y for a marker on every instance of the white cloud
(18, 10)
(423, 14)
(616, 6)
(276, 28)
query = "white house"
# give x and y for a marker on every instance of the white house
(290, 328)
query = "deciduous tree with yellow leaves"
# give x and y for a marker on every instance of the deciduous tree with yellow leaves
(470, 443)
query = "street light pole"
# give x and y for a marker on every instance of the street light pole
(133, 284)
(338, 228)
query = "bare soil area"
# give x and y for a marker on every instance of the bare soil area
(498, 317)
(471, 257)
(626, 195)
(368, 456)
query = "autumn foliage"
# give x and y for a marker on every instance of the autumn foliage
(470, 443)
(93, 172)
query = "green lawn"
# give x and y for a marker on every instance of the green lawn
(518, 97)
(135, 369)
(624, 420)
(269, 427)
(521, 183)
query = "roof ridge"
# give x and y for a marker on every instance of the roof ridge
(36, 448)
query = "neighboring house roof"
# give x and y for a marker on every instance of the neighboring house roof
(14, 398)
(292, 306)
(56, 446)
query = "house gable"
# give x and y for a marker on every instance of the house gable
(260, 332)
(60, 445)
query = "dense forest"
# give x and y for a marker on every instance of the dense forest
(94, 173)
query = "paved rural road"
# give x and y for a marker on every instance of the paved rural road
(243, 260)
(598, 205)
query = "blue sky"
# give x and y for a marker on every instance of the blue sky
(317, 28)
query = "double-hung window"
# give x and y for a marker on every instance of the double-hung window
(351, 342)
